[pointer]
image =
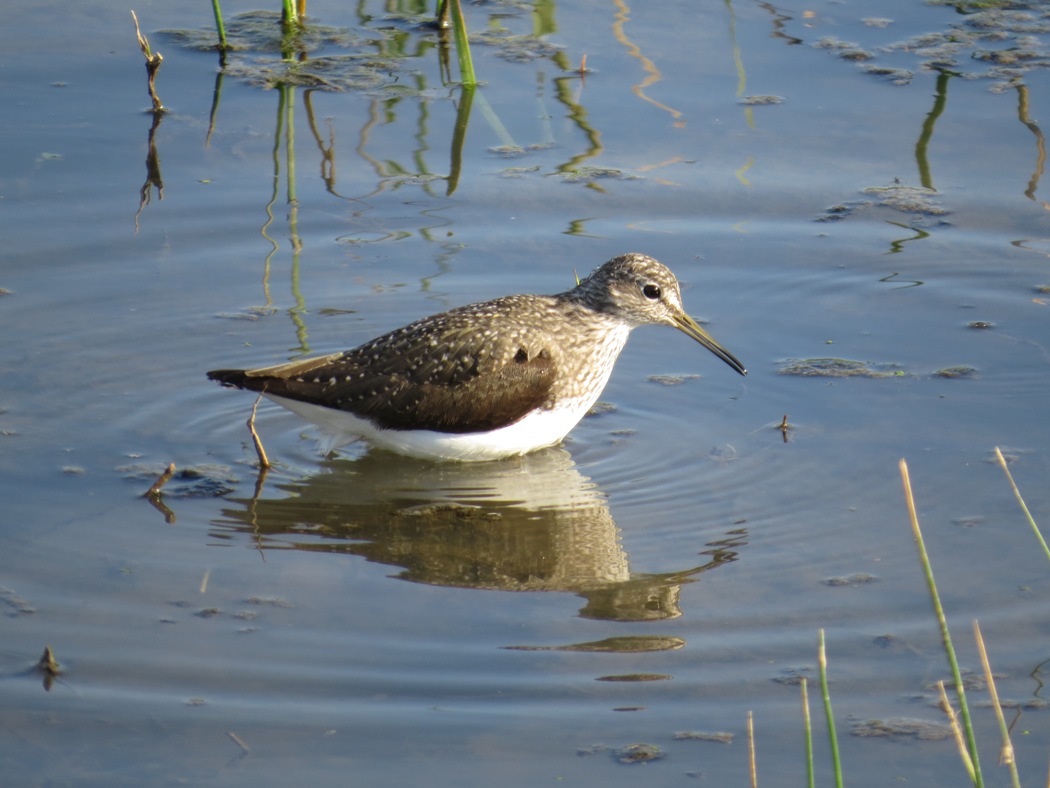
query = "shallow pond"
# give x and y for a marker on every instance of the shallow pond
(826, 184)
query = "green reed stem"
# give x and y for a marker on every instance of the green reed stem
(833, 739)
(289, 15)
(946, 638)
(1020, 500)
(220, 28)
(459, 32)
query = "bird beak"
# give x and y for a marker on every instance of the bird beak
(690, 327)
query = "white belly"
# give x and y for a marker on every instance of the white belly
(535, 431)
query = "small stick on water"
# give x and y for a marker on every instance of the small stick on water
(784, 427)
(48, 664)
(751, 748)
(264, 461)
(163, 479)
(153, 61)
(239, 741)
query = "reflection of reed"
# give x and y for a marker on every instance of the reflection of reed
(741, 72)
(284, 132)
(653, 75)
(529, 524)
(779, 20)
(578, 115)
(154, 180)
(1040, 144)
(327, 162)
(923, 143)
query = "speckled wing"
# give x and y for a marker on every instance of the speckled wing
(448, 373)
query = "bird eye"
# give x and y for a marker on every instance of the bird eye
(652, 292)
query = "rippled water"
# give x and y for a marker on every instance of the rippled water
(664, 572)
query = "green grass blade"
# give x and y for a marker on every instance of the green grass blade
(289, 15)
(946, 637)
(220, 28)
(833, 738)
(1020, 500)
(459, 32)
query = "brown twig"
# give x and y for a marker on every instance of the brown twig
(784, 427)
(48, 664)
(264, 461)
(153, 61)
(163, 479)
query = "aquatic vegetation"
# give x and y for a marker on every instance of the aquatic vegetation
(927, 730)
(260, 31)
(907, 199)
(336, 73)
(760, 101)
(986, 35)
(639, 753)
(839, 368)
(515, 48)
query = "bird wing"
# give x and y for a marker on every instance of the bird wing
(447, 374)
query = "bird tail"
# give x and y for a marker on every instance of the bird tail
(236, 378)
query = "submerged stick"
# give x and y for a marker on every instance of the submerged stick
(163, 479)
(153, 61)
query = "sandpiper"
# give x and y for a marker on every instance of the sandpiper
(484, 381)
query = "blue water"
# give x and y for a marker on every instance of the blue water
(326, 625)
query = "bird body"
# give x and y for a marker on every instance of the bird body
(484, 381)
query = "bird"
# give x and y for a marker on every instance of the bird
(485, 381)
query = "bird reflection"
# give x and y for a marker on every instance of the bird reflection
(532, 523)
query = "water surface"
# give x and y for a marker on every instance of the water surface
(407, 622)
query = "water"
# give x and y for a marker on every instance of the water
(406, 622)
